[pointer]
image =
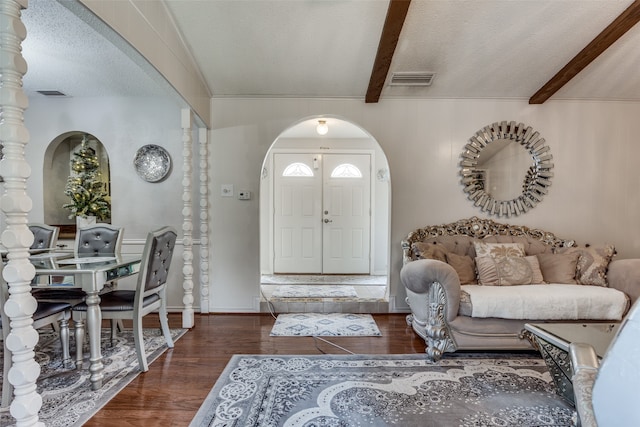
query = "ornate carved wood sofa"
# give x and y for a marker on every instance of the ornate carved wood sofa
(559, 281)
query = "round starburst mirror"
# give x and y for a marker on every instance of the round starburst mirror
(506, 168)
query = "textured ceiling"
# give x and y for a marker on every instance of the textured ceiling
(326, 48)
(69, 50)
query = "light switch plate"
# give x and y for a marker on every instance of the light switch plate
(226, 190)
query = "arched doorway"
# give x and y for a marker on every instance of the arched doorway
(325, 206)
(57, 168)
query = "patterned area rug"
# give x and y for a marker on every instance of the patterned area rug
(67, 396)
(398, 390)
(325, 324)
(311, 291)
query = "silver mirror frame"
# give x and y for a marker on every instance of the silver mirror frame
(538, 178)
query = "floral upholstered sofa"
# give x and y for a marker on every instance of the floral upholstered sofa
(474, 283)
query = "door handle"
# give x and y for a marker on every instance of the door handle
(327, 221)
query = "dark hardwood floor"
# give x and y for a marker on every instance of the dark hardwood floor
(175, 386)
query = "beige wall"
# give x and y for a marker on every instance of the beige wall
(594, 196)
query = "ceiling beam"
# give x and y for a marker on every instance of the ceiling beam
(606, 38)
(393, 23)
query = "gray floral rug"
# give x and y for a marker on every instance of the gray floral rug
(325, 325)
(393, 390)
(310, 291)
(66, 393)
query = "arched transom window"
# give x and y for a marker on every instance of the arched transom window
(297, 170)
(346, 170)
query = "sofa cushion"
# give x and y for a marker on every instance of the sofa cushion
(507, 271)
(551, 302)
(484, 249)
(559, 268)
(464, 266)
(592, 263)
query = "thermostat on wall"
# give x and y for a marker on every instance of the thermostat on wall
(244, 195)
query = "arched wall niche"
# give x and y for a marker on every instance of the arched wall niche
(345, 137)
(56, 170)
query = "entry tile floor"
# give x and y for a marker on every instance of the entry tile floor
(371, 295)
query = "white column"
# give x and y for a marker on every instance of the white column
(204, 220)
(187, 225)
(16, 204)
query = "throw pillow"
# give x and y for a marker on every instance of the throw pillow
(537, 278)
(464, 266)
(487, 272)
(559, 268)
(593, 263)
(508, 271)
(499, 249)
(423, 250)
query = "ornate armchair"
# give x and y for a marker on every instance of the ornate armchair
(607, 395)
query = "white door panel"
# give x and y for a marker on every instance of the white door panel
(297, 216)
(346, 213)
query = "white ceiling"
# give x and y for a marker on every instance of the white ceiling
(326, 48)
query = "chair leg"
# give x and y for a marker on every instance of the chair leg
(64, 340)
(114, 330)
(79, 329)
(164, 323)
(139, 343)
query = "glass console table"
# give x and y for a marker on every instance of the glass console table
(553, 339)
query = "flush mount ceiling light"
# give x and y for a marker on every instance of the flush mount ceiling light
(322, 127)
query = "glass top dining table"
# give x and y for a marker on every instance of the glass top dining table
(90, 273)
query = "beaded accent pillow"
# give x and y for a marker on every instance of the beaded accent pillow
(593, 263)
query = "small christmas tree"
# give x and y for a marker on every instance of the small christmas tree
(84, 187)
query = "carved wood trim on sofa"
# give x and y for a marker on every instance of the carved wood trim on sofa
(479, 228)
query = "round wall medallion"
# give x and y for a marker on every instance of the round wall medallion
(152, 163)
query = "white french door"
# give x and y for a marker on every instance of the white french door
(322, 213)
(346, 213)
(297, 214)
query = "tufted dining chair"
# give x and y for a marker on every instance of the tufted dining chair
(95, 240)
(47, 313)
(98, 239)
(44, 236)
(150, 292)
(606, 391)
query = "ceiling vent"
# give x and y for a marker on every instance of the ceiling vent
(409, 78)
(51, 93)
